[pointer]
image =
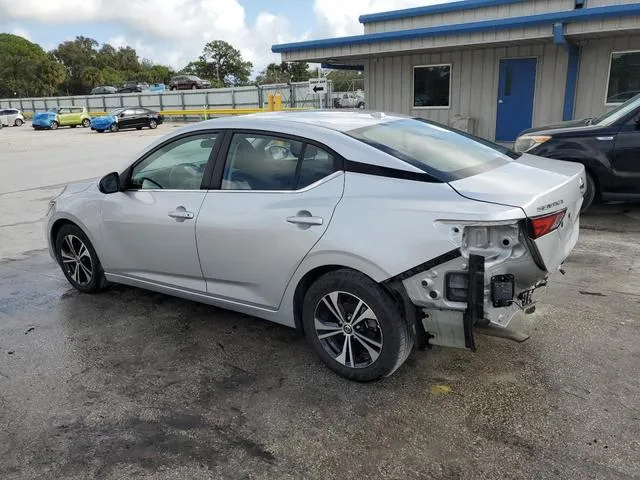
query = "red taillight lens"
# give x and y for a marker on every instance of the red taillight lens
(539, 226)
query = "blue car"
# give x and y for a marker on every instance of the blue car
(131, 117)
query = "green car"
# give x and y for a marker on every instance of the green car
(61, 117)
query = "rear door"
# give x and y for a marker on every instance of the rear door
(625, 168)
(148, 231)
(274, 198)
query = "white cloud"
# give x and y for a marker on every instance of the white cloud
(338, 18)
(174, 32)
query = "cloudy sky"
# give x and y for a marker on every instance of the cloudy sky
(174, 31)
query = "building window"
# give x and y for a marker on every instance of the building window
(624, 76)
(431, 86)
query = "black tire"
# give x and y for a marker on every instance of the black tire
(69, 240)
(390, 335)
(113, 128)
(153, 123)
(54, 125)
(173, 88)
(138, 128)
(100, 131)
(194, 87)
(18, 122)
(590, 192)
(86, 123)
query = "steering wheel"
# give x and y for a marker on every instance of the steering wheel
(191, 180)
(142, 180)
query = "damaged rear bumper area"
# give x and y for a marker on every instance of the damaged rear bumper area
(478, 288)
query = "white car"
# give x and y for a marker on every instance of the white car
(370, 233)
(11, 117)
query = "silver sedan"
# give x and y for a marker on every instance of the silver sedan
(369, 233)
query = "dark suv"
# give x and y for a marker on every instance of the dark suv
(188, 82)
(608, 146)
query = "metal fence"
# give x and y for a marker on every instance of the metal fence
(294, 95)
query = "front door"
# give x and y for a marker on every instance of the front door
(276, 198)
(516, 89)
(148, 231)
(625, 168)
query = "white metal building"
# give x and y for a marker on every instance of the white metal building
(506, 64)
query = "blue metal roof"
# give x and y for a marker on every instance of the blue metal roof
(434, 9)
(569, 16)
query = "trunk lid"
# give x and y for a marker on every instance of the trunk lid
(539, 186)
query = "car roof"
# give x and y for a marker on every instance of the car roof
(333, 120)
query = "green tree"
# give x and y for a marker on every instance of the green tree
(222, 62)
(284, 72)
(92, 77)
(345, 80)
(25, 68)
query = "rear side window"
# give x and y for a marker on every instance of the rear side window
(266, 162)
(445, 153)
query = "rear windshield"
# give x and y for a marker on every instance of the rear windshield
(445, 153)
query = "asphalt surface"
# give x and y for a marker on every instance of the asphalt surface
(133, 384)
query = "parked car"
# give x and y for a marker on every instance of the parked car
(188, 82)
(11, 117)
(122, 118)
(608, 146)
(61, 117)
(104, 90)
(134, 89)
(349, 100)
(157, 87)
(365, 231)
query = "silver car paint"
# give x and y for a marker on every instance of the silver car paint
(10, 120)
(381, 226)
(249, 249)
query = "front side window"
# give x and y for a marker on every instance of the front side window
(178, 165)
(624, 77)
(266, 162)
(431, 86)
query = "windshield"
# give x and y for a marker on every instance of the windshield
(116, 112)
(443, 152)
(617, 113)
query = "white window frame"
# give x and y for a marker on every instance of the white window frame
(413, 87)
(606, 86)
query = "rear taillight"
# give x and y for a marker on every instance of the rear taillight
(539, 226)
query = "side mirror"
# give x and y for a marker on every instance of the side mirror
(110, 183)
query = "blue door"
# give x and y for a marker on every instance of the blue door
(515, 97)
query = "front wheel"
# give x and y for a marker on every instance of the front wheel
(113, 128)
(18, 122)
(86, 123)
(355, 326)
(54, 125)
(153, 124)
(78, 260)
(589, 193)
(194, 87)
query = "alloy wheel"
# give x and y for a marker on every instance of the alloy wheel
(348, 329)
(76, 260)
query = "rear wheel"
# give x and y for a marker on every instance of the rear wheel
(113, 128)
(54, 125)
(78, 260)
(153, 124)
(589, 193)
(18, 122)
(86, 123)
(355, 326)
(194, 87)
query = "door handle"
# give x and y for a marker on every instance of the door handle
(181, 214)
(305, 220)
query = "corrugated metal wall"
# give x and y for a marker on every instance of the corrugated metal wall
(593, 74)
(529, 7)
(474, 84)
